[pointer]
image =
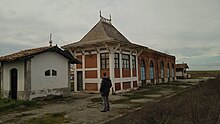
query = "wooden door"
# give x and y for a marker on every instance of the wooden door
(79, 81)
(14, 82)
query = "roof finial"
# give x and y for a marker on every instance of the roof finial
(105, 19)
(50, 42)
(100, 13)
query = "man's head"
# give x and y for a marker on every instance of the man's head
(104, 74)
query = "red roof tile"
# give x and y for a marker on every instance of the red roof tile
(23, 53)
(182, 66)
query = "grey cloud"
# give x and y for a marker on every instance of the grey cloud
(206, 62)
(187, 29)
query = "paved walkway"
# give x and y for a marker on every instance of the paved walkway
(80, 109)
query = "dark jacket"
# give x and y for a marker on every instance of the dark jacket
(105, 86)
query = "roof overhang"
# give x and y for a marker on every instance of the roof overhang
(66, 54)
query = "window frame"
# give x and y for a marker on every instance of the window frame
(50, 72)
(134, 61)
(104, 60)
(125, 61)
(116, 61)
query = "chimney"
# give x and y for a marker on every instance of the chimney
(50, 42)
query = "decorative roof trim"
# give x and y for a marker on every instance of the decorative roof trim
(105, 19)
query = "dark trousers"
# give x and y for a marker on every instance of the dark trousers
(105, 102)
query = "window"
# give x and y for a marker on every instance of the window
(161, 70)
(125, 61)
(133, 61)
(172, 70)
(168, 70)
(104, 60)
(151, 70)
(143, 72)
(116, 60)
(47, 73)
(54, 73)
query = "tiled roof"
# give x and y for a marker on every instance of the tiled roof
(102, 31)
(23, 53)
(31, 52)
(105, 32)
(182, 66)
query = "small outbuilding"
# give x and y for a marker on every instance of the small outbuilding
(181, 71)
(36, 72)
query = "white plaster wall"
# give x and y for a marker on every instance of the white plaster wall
(49, 60)
(7, 75)
(179, 73)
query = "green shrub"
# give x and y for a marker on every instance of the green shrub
(10, 104)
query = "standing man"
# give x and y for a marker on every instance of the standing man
(106, 84)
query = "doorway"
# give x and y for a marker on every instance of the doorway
(14, 83)
(79, 81)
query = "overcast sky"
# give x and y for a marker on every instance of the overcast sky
(188, 29)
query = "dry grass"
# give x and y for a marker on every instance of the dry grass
(196, 74)
(198, 105)
(49, 118)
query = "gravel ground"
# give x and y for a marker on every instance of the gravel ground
(80, 109)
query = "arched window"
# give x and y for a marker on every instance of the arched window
(47, 73)
(143, 77)
(151, 70)
(161, 70)
(172, 70)
(168, 70)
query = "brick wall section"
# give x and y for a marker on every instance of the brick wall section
(159, 67)
(156, 58)
(91, 61)
(147, 63)
(134, 72)
(166, 67)
(79, 57)
(126, 85)
(117, 86)
(91, 86)
(126, 73)
(135, 84)
(91, 74)
(117, 73)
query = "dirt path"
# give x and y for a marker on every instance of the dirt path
(80, 109)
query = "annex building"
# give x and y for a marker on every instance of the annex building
(105, 50)
(37, 72)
